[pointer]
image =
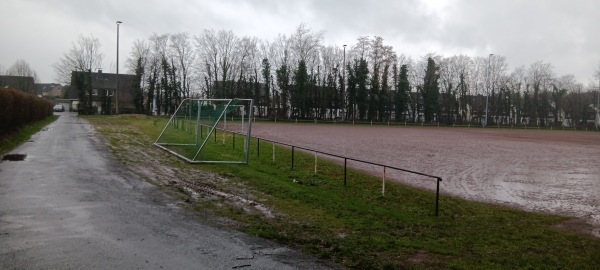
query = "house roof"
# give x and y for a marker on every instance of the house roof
(22, 83)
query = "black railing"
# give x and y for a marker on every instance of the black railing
(384, 166)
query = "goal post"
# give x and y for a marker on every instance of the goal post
(207, 130)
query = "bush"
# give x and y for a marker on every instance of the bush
(18, 108)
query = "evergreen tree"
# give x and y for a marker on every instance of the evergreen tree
(402, 95)
(362, 74)
(138, 95)
(463, 101)
(299, 94)
(266, 74)
(283, 82)
(167, 91)
(152, 85)
(384, 95)
(374, 98)
(431, 91)
(351, 92)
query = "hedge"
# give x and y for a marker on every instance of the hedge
(18, 108)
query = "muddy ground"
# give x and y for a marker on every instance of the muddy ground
(547, 171)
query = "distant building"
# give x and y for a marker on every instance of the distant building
(22, 83)
(49, 90)
(103, 91)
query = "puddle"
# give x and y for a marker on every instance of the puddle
(14, 157)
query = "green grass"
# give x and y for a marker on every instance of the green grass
(17, 137)
(358, 227)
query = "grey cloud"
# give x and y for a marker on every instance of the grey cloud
(559, 32)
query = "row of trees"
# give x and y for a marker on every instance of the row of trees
(297, 76)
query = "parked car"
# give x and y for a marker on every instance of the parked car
(59, 108)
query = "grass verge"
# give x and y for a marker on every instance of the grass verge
(354, 225)
(17, 137)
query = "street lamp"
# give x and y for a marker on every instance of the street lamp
(343, 97)
(117, 86)
(598, 104)
(487, 96)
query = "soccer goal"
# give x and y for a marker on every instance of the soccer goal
(209, 131)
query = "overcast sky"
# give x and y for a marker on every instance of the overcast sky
(564, 33)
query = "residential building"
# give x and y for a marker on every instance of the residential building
(103, 87)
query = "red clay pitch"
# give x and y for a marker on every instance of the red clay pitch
(549, 171)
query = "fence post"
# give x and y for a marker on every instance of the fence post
(437, 196)
(258, 147)
(315, 162)
(292, 157)
(345, 170)
(273, 152)
(383, 183)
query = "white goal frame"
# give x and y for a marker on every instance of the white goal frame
(246, 130)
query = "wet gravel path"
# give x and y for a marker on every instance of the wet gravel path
(70, 205)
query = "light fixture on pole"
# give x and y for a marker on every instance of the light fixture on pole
(117, 79)
(487, 96)
(343, 97)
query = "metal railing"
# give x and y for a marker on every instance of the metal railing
(384, 166)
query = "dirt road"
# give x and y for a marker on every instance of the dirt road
(539, 170)
(71, 205)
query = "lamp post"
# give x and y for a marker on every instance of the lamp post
(343, 97)
(598, 104)
(487, 96)
(117, 80)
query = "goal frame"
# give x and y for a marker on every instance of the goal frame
(221, 118)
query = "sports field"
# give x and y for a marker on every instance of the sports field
(538, 170)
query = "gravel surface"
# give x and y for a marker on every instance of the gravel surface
(538, 170)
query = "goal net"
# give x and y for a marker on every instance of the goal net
(209, 131)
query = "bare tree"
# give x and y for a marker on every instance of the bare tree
(85, 55)
(22, 68)
(139, 50)
(305, 46)
(184, 55)
(497, 87)
(217, 51)
(540, 76)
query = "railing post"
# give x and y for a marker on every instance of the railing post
(315, 162)
(437, 196)
(383, 183)
(345, 170)
(292, 157)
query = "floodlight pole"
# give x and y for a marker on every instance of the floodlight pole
(598, 104)
(117, 80)
(487, 96)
